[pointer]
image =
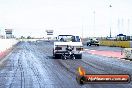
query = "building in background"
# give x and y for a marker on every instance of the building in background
(50, 34)
(9, 33)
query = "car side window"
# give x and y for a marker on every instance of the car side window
(62, 39)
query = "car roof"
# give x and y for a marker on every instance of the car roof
(65, 35)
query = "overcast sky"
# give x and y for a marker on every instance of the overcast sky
(87, 17)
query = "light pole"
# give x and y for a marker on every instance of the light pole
(94, 27)
(128, 22)
(82, 26)
(82, 29)
(110, 6)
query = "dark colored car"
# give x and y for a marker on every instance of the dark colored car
(93, 42)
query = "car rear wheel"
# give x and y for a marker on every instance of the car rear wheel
(78, 56)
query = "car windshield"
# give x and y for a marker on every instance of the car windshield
(68, 38)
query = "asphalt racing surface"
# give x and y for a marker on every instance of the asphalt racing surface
(30, 65)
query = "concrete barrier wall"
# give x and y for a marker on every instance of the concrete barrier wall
(131, 44)
(125, 44)
(6, 44)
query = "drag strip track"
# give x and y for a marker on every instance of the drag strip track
(20, 67)
(31, 65)
(94, 67)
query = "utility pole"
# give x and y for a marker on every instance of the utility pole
(110, 33)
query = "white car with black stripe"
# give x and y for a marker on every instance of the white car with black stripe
(68, 47)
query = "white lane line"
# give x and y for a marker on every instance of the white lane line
(86, 49)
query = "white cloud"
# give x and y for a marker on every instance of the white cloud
(64, 16)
